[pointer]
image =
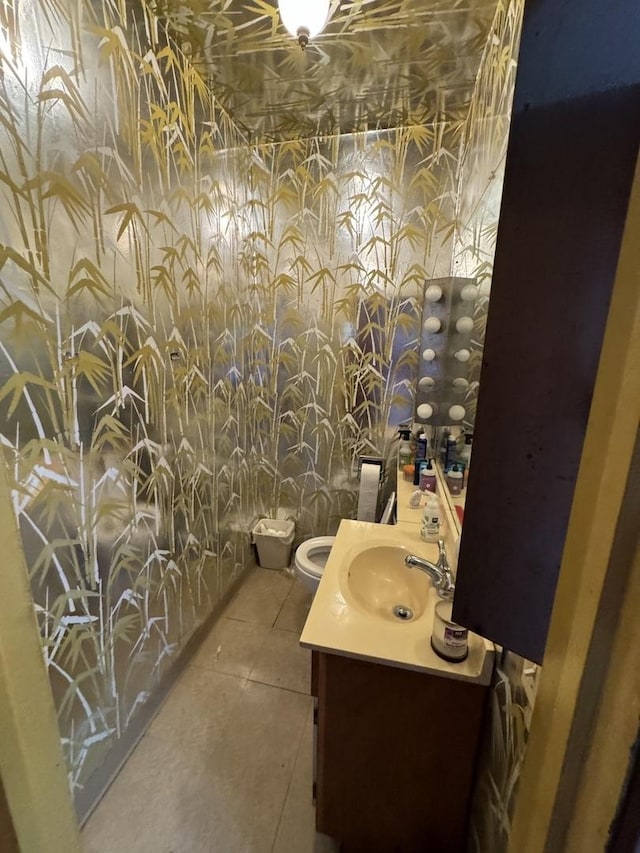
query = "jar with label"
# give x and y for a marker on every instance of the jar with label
(448, 639)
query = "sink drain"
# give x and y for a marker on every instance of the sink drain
(402, 612)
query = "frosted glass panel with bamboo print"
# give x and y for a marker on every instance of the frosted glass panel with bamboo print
(119, 233)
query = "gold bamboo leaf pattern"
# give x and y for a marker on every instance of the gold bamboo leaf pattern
(210, 295)
(416, 62)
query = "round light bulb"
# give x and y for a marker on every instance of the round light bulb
(457, 413)
(433, 293)
(308, 17)
(424, 411)
(464, 325)
(429, 354)
(426, 382)
(460, 384)
(462, 355)
(432, 325)
(468, 293)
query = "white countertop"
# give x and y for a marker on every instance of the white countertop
(339, 625)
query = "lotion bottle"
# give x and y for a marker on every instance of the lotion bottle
(430, 526)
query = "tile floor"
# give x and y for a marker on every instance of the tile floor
(226, 765)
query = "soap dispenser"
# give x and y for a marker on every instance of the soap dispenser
(428, 478)
(430, 525)
(454, 480)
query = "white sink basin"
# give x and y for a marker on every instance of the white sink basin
(378, 581)
(352, 613)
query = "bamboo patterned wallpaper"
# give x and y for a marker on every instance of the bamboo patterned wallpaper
(347, 232)
(377, 64)
(194, 331)
(122, 221)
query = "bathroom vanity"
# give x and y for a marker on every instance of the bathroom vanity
(395, 755)
(397, 727)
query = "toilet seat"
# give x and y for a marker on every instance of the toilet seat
(312, 555)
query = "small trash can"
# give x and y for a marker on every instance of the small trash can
(274, 540)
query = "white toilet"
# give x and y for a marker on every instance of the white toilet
(311, 558)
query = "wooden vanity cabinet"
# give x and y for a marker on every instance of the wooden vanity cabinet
(396, 752)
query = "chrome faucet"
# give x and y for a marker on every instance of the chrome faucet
(440, 572)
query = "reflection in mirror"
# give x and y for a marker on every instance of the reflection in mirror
(452, 446)
(449, 449)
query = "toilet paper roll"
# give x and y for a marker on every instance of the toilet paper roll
(368, 496)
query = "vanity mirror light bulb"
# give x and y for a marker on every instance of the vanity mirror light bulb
(462, 355)
(464, 325)
(426, 382)
(429, 355)
(469, 293)
(432, 324)
(424, 411)
(460, 384)
(457, 413)
(433, 293)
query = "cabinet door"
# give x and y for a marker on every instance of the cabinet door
(570, 166)
(396, 757)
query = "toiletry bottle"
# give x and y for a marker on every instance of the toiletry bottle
(430, 526)
(454, 480)
(464, 452)
(450, 453)
(420, 466)
(428, 477)
(404, 450)
(443, 445)
(421, 446)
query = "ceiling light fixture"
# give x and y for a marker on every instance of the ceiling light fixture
(304, 18)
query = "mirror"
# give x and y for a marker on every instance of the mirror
(453, 447)
(452, 335)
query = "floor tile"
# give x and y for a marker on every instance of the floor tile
(261, 597)
(296, 831)
(295, 609)
(214, 772)
(152, 805)
(198, 707)
(254, 766)
(221, 795)
(231, 647)
(282, 662)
